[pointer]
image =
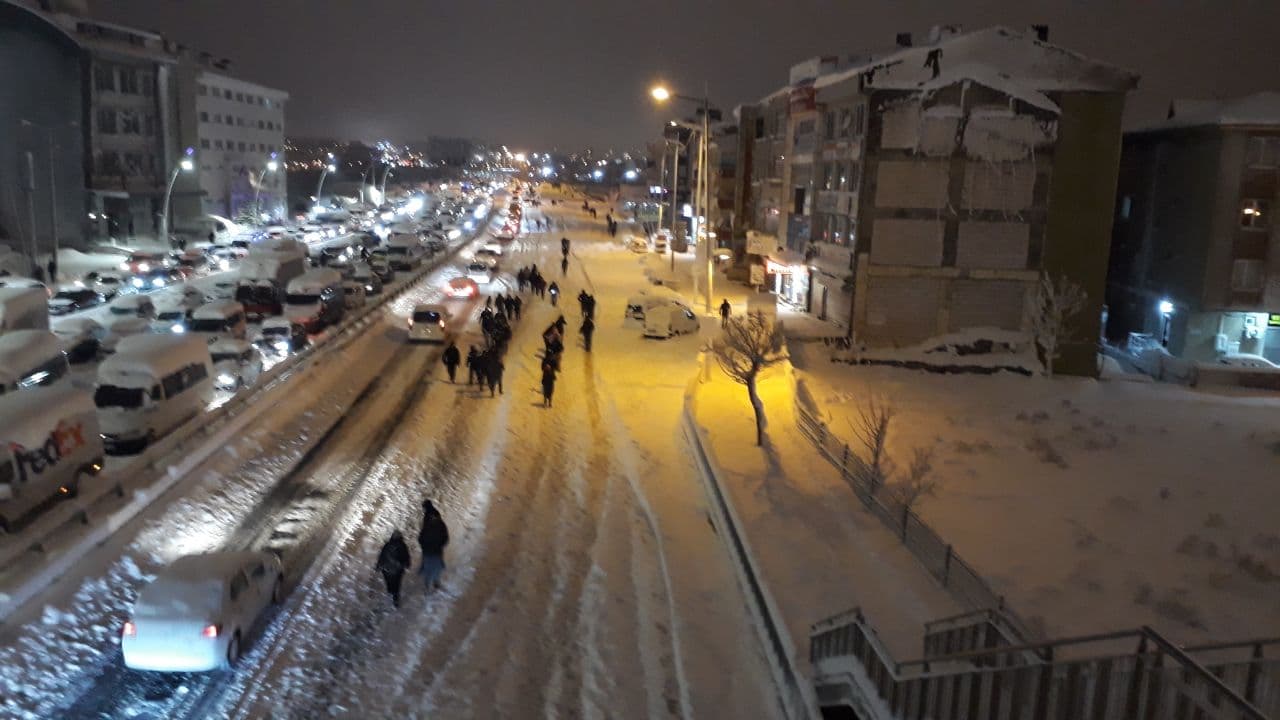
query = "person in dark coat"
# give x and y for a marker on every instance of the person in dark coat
(582, 301)
(554, 289)
(590, 309)
(473, 365)
(548, 383)
(53, 269)
(493, 372)
(724, 312)
(432, 538)
(522, 277)
(564, 268)
(393, 561)
(451, 358)
(588, 328)
(560, 323)
(516, 303)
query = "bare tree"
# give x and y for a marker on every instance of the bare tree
(872, 429)
(917, 483)
(750, 343)
(1053, 312)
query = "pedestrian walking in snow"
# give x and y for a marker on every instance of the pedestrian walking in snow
(588, 328)
(451, 358)
(393, 561)
(724, 312)
(548, 383)
(516, 303)
(582, 301)
(591, 307)
(473, 365)
(432, 538)
(522, 277)
(560, 323)
(493, 372)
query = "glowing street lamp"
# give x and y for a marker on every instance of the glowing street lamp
(272, 166)
(660, 93)
(328, 168)
(186, 164)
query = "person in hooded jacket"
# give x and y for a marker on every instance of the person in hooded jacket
(393, 561)
(548, 382)
(451, 359)
(432, 538)
(493, 372)
(588, 329)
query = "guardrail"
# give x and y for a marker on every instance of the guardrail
(938, 557)
(795, 695)
(158, 469)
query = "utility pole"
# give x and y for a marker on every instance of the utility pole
(30, 181)
(53, 205)
(675, 195)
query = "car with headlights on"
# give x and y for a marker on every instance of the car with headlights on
(236, 364)
(280, 336)
(428, 323)
(199, 611)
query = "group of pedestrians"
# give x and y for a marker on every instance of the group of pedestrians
(529, 277)
(553, 349)
(394, 560)
(611, 225)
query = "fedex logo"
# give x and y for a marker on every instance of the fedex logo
(65, 439)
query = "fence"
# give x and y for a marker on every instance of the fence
(937, 556)
(1131, 675)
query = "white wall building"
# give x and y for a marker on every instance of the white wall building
(235, 127)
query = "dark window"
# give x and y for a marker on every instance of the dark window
(147, 82)
(172, 384)
(108, 163)
(239, 97)
(217, 144)
(260, 125)
(202, 89)
(130, 123)
(829, 126)
(238, 585)
(204, 116)
(107, 121)
(128, 81)
(104, 77)
(134, 163)
(149, 124)
(759, 128)
(241, 145)
(797, 207)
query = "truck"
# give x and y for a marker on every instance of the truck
(23, 308)
(265, 274)
(49, 446)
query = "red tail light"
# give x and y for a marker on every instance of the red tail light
(129, 630)
(210, 631)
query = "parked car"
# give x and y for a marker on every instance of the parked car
(382, 269)
(197, 612)
(670, 318)
(119, 328)
(133, 306)
(17, 281)
(479, 272)
(1247, 360)
(144, 262)
(353, 294)
(81, 338)
(365, 275)
(31, 358)
(105, 283)
(73, 299)
(428, 323)
(236, 364)
(153, 384)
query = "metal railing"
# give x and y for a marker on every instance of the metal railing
(938, 557)
(1130, 675)
(975, 630)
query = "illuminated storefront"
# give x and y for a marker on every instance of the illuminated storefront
(787, 276)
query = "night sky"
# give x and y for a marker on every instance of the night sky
(540, 74)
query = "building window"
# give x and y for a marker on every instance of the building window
(261, 125)
(204, 143)
(104, 77)
(829, 125)
(204, 116)
(130, 123)
(1126, 207)
(202, 89)
(1247, 275)
(843, 123)
(134, 164)
(147, 81)
(217, 144)
(107, 121)
(239, 97)
(128, 81)
(1255, 214)
(108, 163)
(242, 147)
(149, 124)
(859, 118)
(230, 120)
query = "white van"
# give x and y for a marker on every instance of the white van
(23, 309)
(315, 299)
(29, 358)
(405, 251)
(49, 445)
(669, 318)
(150, 386)
(219, 320)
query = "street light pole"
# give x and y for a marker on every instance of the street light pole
(662, 182)
(185, 164)
(328, 168)
(706, 193)
(257, 191)
(675, 194)
(383, 190)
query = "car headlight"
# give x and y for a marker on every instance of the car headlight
(137, 282)
(143, 267)
(226, 379)
(179, 329)
(158, 282)
(281, 345)
(224, 264)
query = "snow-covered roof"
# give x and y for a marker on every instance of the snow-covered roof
(1261, 108)
(987, 76)
(1035, 64)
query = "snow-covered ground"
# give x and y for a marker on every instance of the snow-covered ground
(584, 580)
(1091, 505)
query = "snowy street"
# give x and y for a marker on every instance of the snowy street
(583, 577)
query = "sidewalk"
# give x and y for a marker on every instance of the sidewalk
(820, 551)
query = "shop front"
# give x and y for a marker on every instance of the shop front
(787, 276)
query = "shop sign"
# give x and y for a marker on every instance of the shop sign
(1273, 320)
(759, 243)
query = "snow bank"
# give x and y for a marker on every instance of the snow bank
(975, 350)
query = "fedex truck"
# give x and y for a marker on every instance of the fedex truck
(49, 446)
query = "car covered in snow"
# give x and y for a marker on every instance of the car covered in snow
(429, 323)
(669, 318)
(199, 611)
(1247, 360)
(81, 338)
(119, 328)
(107, 284)
(280, 336)
(353, 294)
(236, 364)
(461, 287)
(74, 299)
(480, 272)
(140, 306)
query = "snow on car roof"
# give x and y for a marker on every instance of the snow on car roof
(41, 407)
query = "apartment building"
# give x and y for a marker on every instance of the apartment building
(1195, 254)
(236, 128)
